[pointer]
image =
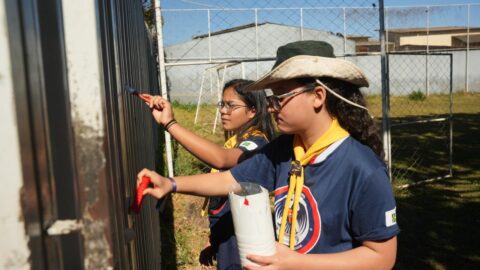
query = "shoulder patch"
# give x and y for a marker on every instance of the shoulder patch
(249, 145)
(391, 217)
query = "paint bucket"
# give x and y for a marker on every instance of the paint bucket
(252, 219)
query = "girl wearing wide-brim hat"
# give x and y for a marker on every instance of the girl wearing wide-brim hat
(340, 210)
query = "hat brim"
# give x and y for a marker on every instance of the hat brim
(305, 66)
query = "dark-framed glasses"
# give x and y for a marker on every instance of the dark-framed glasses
(229, 106)
(275, 101)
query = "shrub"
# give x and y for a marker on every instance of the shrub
(417, 96)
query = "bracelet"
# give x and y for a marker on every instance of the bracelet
(174, 184)
(169, 124)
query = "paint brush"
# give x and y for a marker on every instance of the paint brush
(135, 92)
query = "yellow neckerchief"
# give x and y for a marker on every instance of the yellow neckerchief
(334, 133)
(230, 144)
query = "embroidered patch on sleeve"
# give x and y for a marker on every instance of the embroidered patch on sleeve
(249, 145)
(391, 217)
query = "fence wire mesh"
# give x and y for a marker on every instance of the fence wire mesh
(212, 42)
(420, 123)
(208, 43)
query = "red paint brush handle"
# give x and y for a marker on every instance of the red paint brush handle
(144, 97)
(137, 203)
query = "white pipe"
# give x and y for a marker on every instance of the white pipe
(344, 32)
(163, 80)
(428, 51)
(256, 38)
(467, 53)
(301, 24)
(199, 97)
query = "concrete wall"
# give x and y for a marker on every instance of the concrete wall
(407, 74)
(14, 252)
(241, 43)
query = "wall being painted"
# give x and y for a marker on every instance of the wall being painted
(14, 252)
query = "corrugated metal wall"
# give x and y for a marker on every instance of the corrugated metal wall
(82, 139)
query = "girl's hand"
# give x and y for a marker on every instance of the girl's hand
(161, 109)
(283, 259)
(161, 185)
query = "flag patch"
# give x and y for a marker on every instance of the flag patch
(249, 145)
(391, 217)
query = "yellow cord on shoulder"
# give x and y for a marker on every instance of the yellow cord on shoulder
(302, 158)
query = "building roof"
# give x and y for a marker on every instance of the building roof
(371, 43)
(432, 29)
(471, 38)
(233, 29)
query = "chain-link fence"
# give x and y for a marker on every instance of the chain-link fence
(206, 47)
(452, 28)
(209, 43)
(421, 116)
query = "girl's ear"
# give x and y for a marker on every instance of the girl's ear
(320, 96)
(251, 113)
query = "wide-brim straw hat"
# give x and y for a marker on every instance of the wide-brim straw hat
(308, 66)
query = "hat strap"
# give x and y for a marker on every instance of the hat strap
(340, 97)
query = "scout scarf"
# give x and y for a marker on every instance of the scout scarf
(333, 134)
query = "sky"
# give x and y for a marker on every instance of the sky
(262, 3)
(180, 26)
(427, 2)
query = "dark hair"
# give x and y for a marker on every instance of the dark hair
(356, 121)
(262, 121)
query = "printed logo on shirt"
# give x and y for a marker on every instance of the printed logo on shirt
(308, 226)
(391, 217)
(249, 145)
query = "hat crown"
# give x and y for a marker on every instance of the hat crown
(304, 47)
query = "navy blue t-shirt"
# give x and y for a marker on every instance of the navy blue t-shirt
(346, 198)
(222, 233)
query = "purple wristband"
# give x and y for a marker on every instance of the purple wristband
(174, 184)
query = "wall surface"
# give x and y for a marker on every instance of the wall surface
(14, 251)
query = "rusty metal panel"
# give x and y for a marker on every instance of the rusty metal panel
(82, 139)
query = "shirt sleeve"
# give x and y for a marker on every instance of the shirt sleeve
(373, 208)
(252, 143)
(258, 169)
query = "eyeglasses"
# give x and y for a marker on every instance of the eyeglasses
(229, 106)
(275, 101)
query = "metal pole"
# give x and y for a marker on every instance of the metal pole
(427, 82)
(256, 39)
(385, 92)
(468, 50)
(199, 97)
(386, 31)
(450, 156)
(301, 23)
(163, 80)
(344, 33)
(209, 37)
(243, 70)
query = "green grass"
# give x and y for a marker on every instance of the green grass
(439, 220)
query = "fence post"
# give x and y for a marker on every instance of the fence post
(256, 42)
(385, 92)
(163, 80)
(344, 33)
(467, 52)
(427, 75)
(301, 23)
